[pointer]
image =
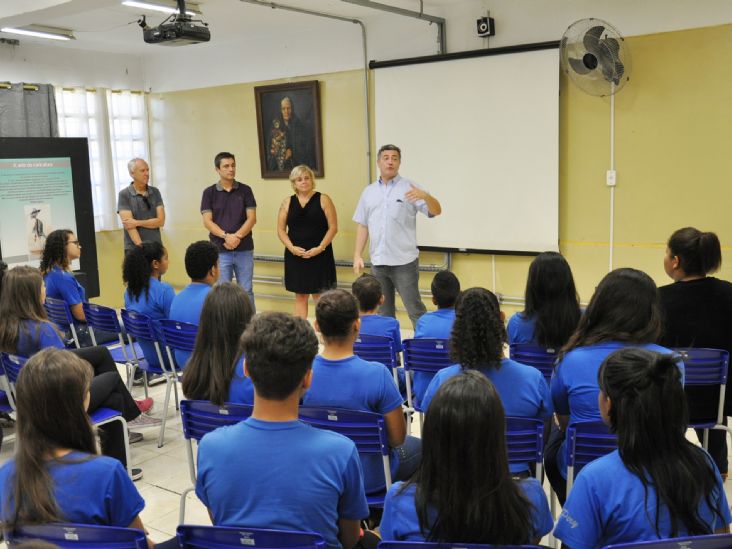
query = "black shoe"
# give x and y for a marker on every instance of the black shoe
(136, 473)
(155, 379)
(134, 436)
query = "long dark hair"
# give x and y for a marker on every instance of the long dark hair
(648, 412)
(464, 472)
(478, 334)
(54, 252)
(625, 307)
(50, 395)
(552, 299)
(225, 314)
(20, 301)
(699, 253)
(137, 267)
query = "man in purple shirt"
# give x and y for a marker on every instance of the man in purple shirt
(229, 213)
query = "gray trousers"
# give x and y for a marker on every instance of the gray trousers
(405, 279)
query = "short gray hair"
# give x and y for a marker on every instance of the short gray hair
(131, 164)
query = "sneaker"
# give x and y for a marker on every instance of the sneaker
(136, 473)
(144, 420)
(145, 404)
(134, 436)
(138, 381)
(155, 379)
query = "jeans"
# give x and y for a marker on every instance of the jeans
(240, 264)
(410, 454)
(405, 279)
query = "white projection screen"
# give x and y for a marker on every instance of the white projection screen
(482, 135)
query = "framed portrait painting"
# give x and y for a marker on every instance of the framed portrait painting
(288, 123)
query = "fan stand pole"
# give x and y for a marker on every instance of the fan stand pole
(612, 167)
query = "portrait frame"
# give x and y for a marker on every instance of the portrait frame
(289, 139)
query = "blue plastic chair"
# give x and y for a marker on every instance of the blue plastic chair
(376, 348)
(707, 367)
(367, 430)
(429, 545)
(586, 441)
(200, 417)
(59, 313)
(223, 537)
(7, 397)
(141, 327)
(525, 442)
(80, 536)
(99, 317)
(427, 356)
(533, 355)
(12, 364)
(177, 336)
(715, 541)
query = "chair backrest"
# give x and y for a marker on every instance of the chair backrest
(222, 537)
(177, 335)
(587, 441)
(102, 318)
(367, 430)
(430, 545)
(533, 355)
(80, 536)
(59, 313)
(525, 441)
(12, 365)
(717, 541)
(704, 366)
(426, 355)
(201, 416)
(376, 348)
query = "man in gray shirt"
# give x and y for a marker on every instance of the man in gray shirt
(140, 207)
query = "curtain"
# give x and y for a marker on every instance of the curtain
(28, 112)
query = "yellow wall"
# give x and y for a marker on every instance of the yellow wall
(673, 143)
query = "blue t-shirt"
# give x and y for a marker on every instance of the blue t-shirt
(93, 490)
(574, 385)
(35, 336)
(156, 305)
(378, 325)
(355, 384)
(280, 475)
(61, 284)
(521, 329)
(435, 325)
(186, 307)
(400, 522)
(241, 389)
(607, 505)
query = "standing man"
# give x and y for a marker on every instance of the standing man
(140, 207)
(387, 213)
(229, 213)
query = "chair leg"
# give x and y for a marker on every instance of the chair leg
(182, 512)
(144, 382)
(705, 439)
(175, 390)
(165, 411)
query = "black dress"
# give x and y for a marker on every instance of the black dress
(306, 227)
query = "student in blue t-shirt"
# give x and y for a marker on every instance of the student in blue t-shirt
(477, 341)
(552, 309)
(623, 312)
(271, 470)
(343, 380)
(202, 266)
(657, 484)
(463, 491)
(438, 324)
(215, 370)
(368, 292)
(55, 475)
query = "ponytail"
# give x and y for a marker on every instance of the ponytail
(137, 267)
(699, 253)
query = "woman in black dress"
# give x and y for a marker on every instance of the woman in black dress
(306, 225)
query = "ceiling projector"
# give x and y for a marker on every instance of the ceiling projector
(178, 30)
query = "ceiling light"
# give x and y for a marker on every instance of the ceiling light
(162, 6)
(40, 31)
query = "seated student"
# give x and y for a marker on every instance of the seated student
(477, 343)
(55, 475)
(623, 312)
(552, 310)
(657, 484)
(215, 370)
(438, 324)
(61, 248)
(25, 330)
(141, 271)
(463, 490)
(343, 380)
(202, 266)
(271, 470)
(367, 290)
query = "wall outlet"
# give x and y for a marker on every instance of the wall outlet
(611, 178)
